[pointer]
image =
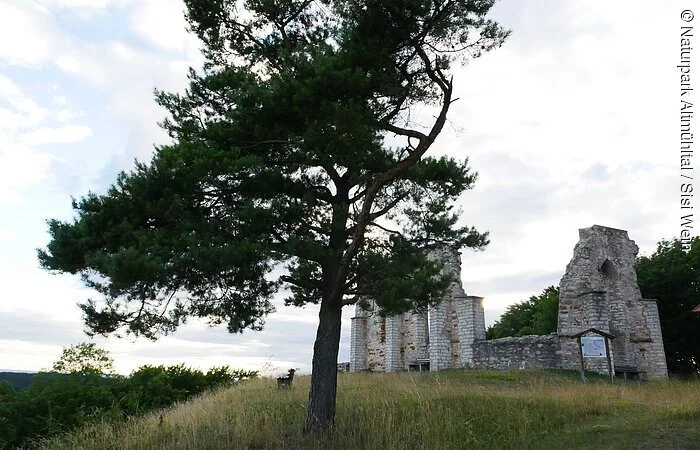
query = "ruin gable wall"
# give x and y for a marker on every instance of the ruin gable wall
(599, 290)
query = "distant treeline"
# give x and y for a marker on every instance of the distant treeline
(18, 380)
(53, 403)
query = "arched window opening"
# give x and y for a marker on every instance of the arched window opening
(607, 268)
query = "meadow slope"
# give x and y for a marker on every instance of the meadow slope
(443, 410)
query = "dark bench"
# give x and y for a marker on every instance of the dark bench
(286, 382)
(419, 365)
(628, 372)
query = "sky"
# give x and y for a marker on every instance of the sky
(573, 122)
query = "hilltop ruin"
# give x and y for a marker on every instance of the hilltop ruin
(599, 290)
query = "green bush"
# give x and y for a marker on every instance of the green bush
(538, 315)
(55, 403)
(8, 426)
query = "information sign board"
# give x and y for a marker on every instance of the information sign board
(593, 346)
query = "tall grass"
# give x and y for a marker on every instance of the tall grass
(443, 410)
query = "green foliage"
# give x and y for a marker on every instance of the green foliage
(8, 429)
(19, 380)
(671, 275)
(538, 315)
(6, 390)
(152, 387)
(84, 358)
(55, 403)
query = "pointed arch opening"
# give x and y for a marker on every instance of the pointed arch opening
(607, 268)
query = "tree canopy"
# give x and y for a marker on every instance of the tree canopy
(84, 358)
(297, 147)
(671, 275)
(538, 315)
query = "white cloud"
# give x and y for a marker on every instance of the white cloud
(20, 164)
(65, 115)
(28, 355)
(51, 135)
(162, 22)
(6, 235)
(17, 110)
(77, 4)
(60, 100)
(17, 45)
(20, 167)
(84, 9)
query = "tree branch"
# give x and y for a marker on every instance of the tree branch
(389, 176)
(388, 207)
(375, 224)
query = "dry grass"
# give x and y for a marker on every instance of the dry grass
(452, 409)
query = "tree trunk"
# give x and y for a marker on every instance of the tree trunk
(320, 414)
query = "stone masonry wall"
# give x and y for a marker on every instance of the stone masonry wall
(376, 338)
(599, 290)
(440, 347)
(533, 352)
(525, 352)
(652, 357)
(414, 337)
(442, 317)
(393, 346)
(444, 334)
(358, 342)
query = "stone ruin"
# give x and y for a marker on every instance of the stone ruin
(401, 342)
(599, 290)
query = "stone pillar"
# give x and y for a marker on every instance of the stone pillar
(376, 343)
(440, 345)
(419, 325)
(470, 313)
(393, 353)
(414, 337)
(358, 341)
(479, 320)
(652, 355)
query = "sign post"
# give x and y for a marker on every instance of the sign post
(607, 355)
(594, 347)
(580, 357)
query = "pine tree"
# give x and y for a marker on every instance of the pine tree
(295, 146)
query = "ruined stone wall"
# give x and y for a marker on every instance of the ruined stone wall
(444, 334)
(394, 350)
(376, 338)
(440, 347)
(652, 357)
(599, 290)
(534, 352)
(600, 277)
(387, 344)
(525, 352)
(414, 338)
(471, 327)
(358, 341)
(449, 321)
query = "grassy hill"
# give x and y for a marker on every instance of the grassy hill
(444, 410)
